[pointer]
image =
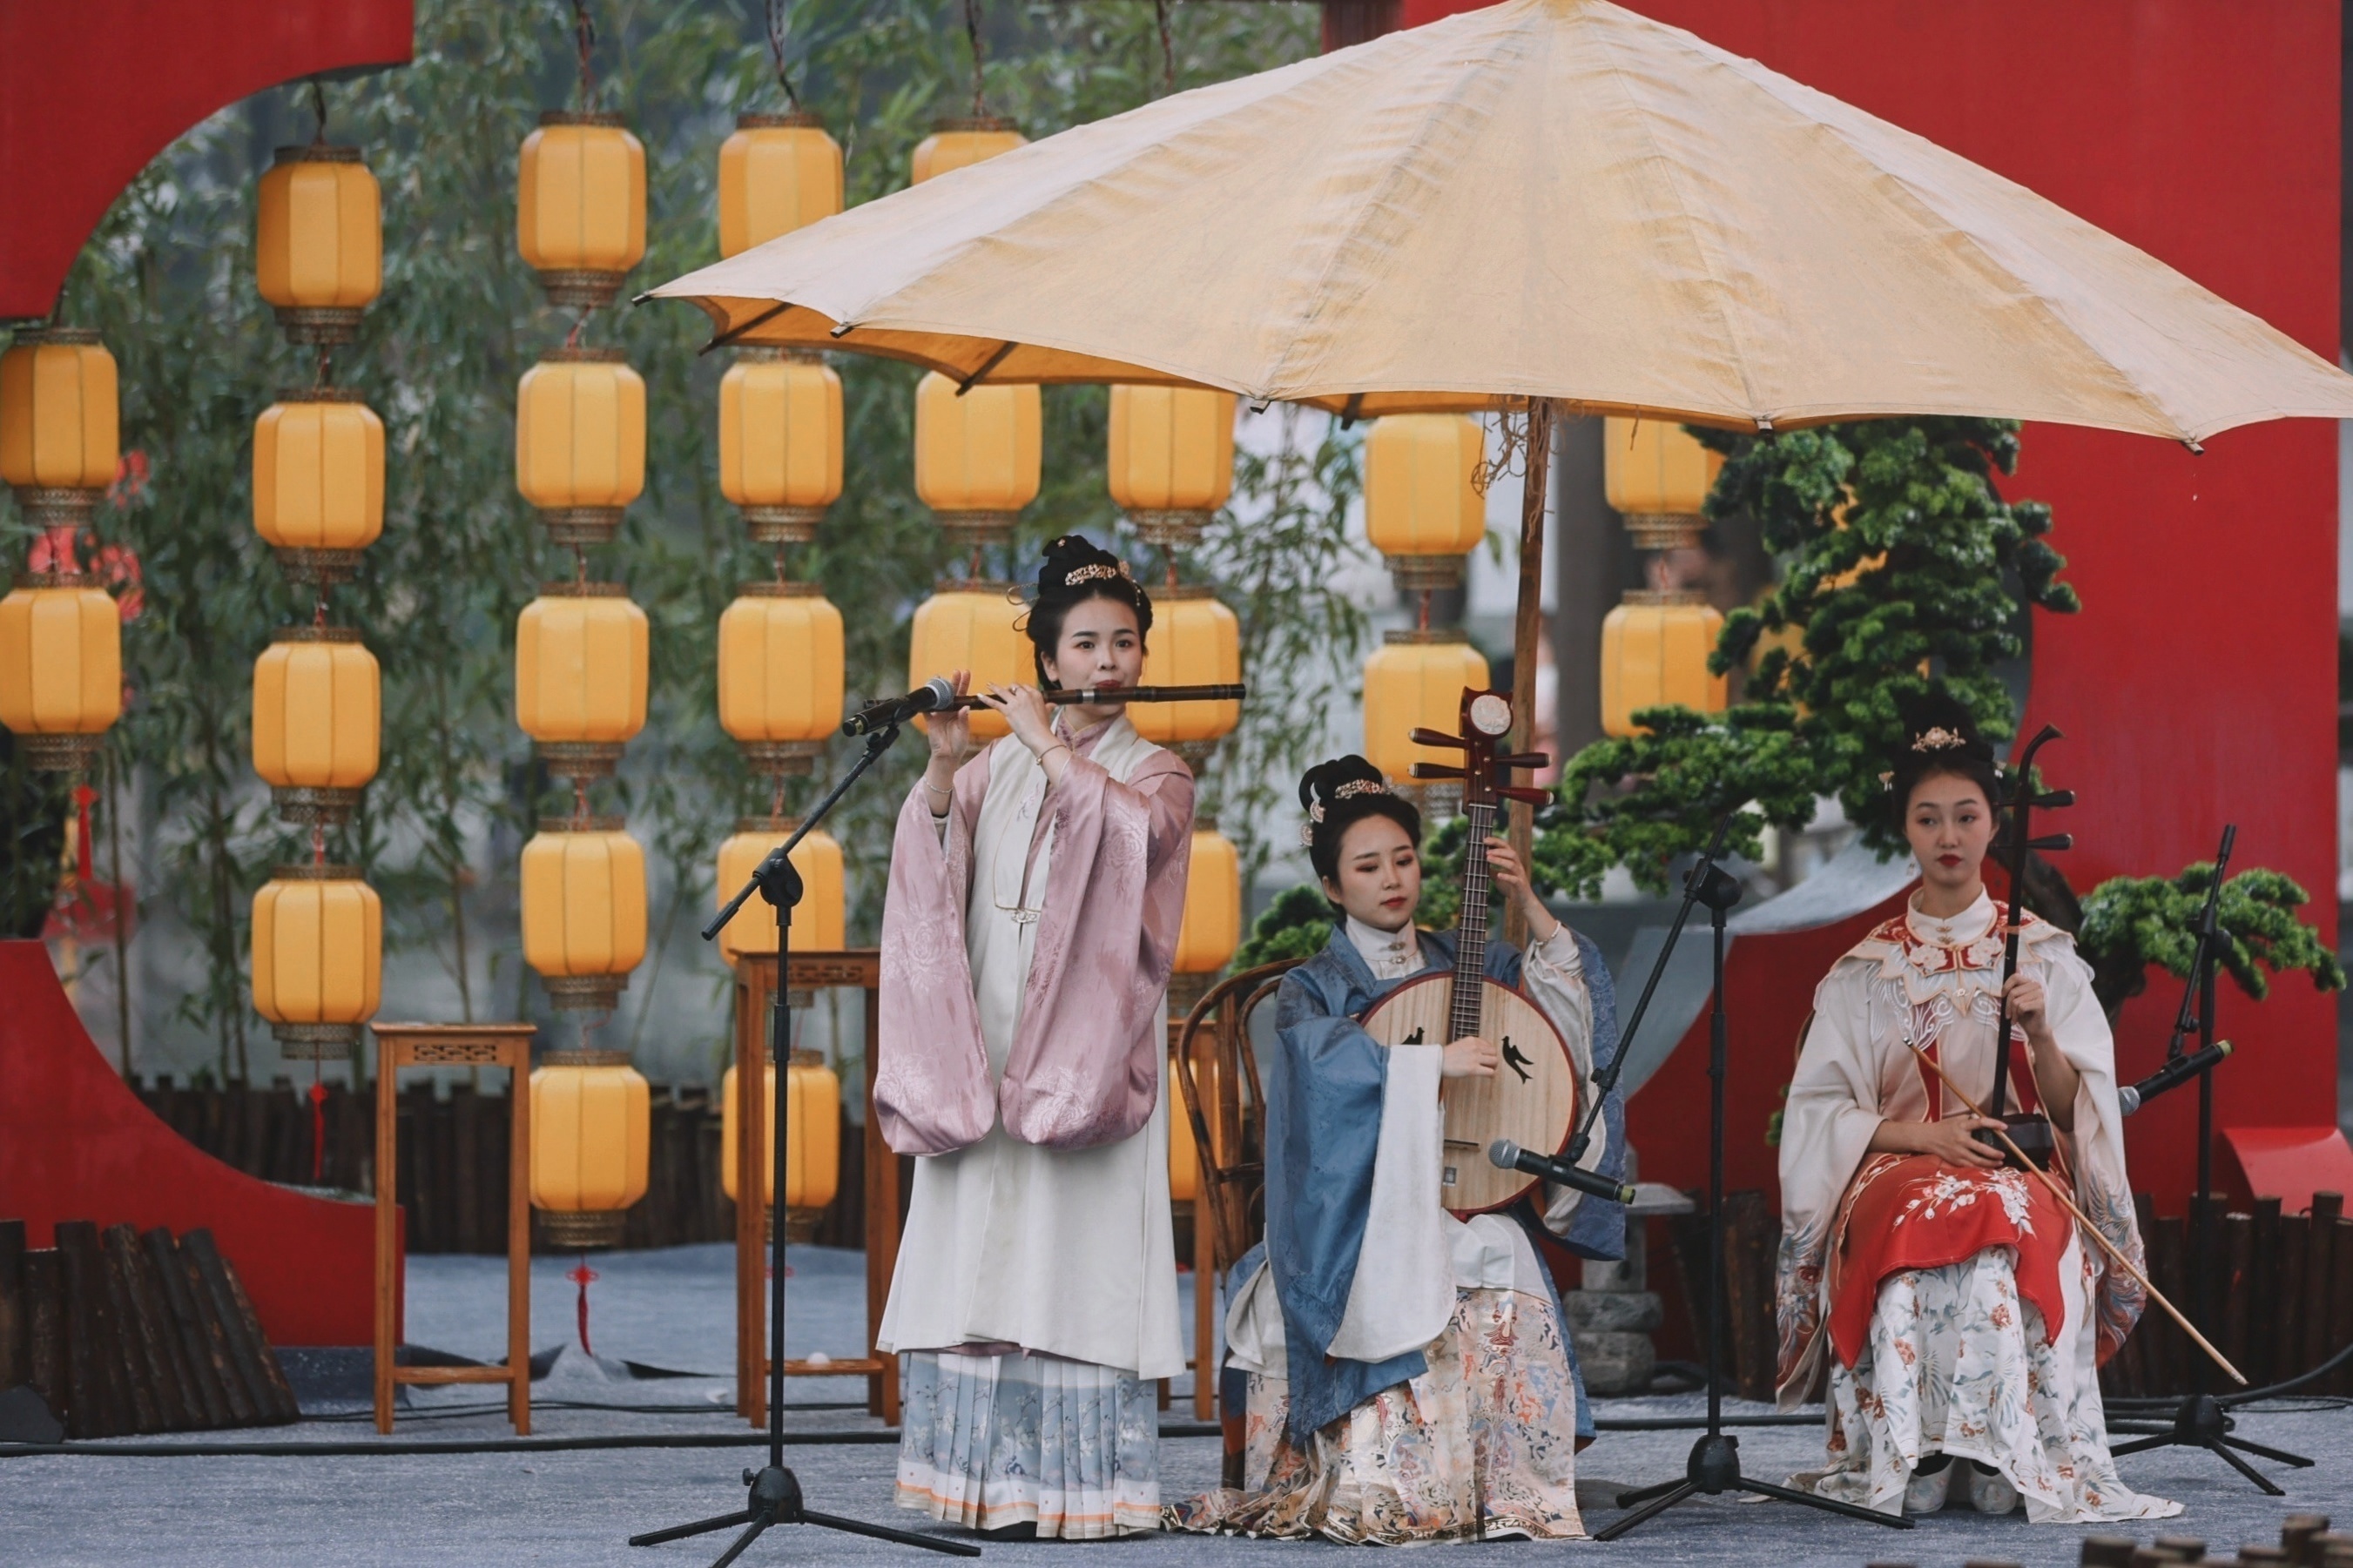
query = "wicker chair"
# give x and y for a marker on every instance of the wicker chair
(1226, 1108)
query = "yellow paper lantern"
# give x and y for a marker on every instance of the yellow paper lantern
(1212, 927)
(817, 919)
(956, 142)
(1654, 650)
(780, 442)
(316, 720)
(1422, 511)
(317, 479)
(977, 456)
(591, 1136)
(812, 1136)
(584, 909)
(1183, 1157)
(581, 655)
(59, 430)
(972, 626)
(580, 215)
(780, 679)
(61, 668)
(1172, 459)
(318, 959)
(318, 252)
(1195, 641)
(776, 173)
(1657, 475)
(580, 441)
(1414, 681)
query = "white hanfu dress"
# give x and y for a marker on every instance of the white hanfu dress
(1035, 1300)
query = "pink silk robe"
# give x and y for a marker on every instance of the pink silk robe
(1084, 1067)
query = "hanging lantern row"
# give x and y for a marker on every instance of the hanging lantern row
(780, 438)
(580, 215)
(582, 653)
(318, 253)
(317, 713)
(780, 674)
(978, 453)
(1655, 643)
(318, 959)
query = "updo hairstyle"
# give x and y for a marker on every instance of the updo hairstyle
(1940, 739)
(1338, 794)
(1073, 572)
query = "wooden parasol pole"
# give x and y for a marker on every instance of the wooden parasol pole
(1527, 627)
(2090, 1230)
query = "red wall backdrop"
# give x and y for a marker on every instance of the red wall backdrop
(2199, 682)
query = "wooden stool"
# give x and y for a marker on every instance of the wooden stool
(754, 987)
(505, 1046)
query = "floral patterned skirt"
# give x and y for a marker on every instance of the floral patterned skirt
(988, 1441)
(1956, 1363)
(1482, 1444)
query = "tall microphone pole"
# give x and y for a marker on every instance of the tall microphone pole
(2201, 1420)
(775, 1492)
(1713, 1467)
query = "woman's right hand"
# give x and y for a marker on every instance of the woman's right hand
(1469, 1057)
(950, 731)
(1953, 1141)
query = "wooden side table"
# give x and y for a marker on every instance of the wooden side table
(505, 1046)
(754, 986)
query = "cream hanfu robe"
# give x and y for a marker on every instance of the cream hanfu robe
(1026, 946)
(1957, 1310)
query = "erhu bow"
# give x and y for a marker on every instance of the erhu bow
(2030, 1132)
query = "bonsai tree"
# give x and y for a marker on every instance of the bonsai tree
(1905, 571)
(1296, 925)
(2133, 922)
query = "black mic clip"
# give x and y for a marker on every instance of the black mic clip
(1506, 1155)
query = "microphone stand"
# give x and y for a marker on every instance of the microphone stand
(2201, 1420)
(1713, 1467)
(775, 1492)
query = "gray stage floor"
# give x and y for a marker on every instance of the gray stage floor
(671, 1310)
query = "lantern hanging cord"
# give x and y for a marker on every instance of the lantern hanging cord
(318, 108)
(1510, 454)
(584, 30)
(318, 1122)
(972, 34)
(777, 52)
(580, 821)
(326, 371)
(1167, 48)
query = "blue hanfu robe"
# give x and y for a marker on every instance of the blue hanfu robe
(1325, 1086)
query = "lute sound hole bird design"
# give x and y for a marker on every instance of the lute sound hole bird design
(1534, 1102)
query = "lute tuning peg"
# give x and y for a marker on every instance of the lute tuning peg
(1439, 738)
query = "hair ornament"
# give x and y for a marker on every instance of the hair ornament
(1096, 572)
(1937, 739)
(1352, 789)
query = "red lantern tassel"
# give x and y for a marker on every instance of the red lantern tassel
(318, 1125)
(581, 1277)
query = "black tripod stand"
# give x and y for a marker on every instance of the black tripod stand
(2201, 1420)
(776, 1492)
(1713, 1467)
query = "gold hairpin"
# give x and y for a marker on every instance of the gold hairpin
(1938, 739)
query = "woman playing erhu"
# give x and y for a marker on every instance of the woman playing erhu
(1961, 1318)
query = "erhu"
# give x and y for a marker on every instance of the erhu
(2029, 1132)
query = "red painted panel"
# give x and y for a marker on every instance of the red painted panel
(89, 92)
(76, 1143)
(2289, 1163)
(2199, 683)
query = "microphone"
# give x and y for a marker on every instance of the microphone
(1506, 1155)
(2172, 1074)
(931, 696)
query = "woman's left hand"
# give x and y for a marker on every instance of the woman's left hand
(1503, 863)
(1026, 713)
(2030, 1007)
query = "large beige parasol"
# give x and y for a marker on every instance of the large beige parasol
(1550, 204)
